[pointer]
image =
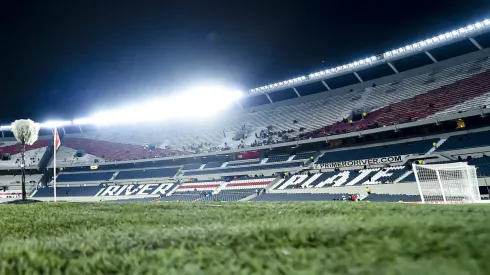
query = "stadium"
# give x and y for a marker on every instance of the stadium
(323, 166)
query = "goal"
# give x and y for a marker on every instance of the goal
(447, 183)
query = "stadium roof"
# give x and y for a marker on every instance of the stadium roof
(423, 46)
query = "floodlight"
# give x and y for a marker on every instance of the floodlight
(53, 124)
(351, 65)
(408, 48)
(470, 27)
(82, 121)
(454, 33)
(373, 58)
(486, 22)
(197, 103)
(5, 127)
(478, 25)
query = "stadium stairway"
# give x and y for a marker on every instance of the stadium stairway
(439, 143)
(249, 198)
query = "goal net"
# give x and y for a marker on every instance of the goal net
(447, 183)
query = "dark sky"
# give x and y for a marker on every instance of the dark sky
(65, 59)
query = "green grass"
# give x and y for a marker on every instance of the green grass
(244, 238)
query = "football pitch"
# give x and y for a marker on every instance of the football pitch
(244, 238)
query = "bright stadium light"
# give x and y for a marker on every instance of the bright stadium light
(196, 104)
(55, 123)
(467, 32)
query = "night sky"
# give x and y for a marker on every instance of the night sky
(67, 59)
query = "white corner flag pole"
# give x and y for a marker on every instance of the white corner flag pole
(54, 163)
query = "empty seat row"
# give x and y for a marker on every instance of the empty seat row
(464, 141)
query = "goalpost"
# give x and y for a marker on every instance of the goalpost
(447, 183)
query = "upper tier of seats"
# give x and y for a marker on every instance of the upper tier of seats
(114, 151)
(466, 141)
(416, 97)
(399, 149)
(435, 101)
(33, 155)
(14, 148)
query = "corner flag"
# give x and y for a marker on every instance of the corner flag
(56, 145)
(57, 142)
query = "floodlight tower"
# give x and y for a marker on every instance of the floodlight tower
(26, 132)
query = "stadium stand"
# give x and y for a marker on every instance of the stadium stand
(84, 177)
(113, 151)
(221, 149)
(272, 159)
(148, 173)
(426, 95)
(213, 165)
(464, 141)
(12, 149)
(482, 166)
(243, 162)
(78, 191)
(192, 166)
(240, 169)
(304, 155)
